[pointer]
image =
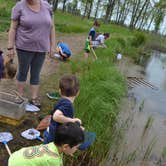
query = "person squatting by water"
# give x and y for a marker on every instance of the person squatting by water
(68, 138)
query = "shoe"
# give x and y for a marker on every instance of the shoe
(53, 95)
(35, 102)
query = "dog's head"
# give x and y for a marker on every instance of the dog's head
(10, 68)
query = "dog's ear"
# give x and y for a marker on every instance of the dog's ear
(11, 69)
(6, 59)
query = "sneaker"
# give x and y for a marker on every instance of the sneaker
(54, 95)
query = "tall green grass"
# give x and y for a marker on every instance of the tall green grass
(102, 88)
(5, 7)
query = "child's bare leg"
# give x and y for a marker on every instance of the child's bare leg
(86, 55)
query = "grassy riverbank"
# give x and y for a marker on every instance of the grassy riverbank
(102, 86)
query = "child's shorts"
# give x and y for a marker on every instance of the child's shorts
(87, 51)
(47, 137)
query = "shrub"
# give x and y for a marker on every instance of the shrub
(66, 28)
(138, 40)
(5, 8)
(121, 41)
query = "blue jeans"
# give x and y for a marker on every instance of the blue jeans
(29, 60)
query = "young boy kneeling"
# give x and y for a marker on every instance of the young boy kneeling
(68, 138)
(63, 51)
(63, 110)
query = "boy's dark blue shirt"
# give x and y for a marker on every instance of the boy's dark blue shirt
(92, 33)
(66, 107)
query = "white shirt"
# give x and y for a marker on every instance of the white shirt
(100, 38)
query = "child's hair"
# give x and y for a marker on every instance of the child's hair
(69, 133)
(69, 85)
(106, 35)
(60, 41)
(96, 23)
(10, 70)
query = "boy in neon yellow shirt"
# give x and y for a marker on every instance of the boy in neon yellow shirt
(68, 138)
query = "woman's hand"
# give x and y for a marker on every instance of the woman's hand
(51, 53)
(10, 53)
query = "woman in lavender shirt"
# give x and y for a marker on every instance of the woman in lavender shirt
(32, 32)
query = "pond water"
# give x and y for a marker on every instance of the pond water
(156, 70)
(155, 73)
(150, 105)
(145, 112)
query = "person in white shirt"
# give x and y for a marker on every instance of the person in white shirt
(100, 39)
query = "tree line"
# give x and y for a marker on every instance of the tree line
(137, 14)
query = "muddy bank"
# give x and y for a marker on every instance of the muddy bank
(31, 120)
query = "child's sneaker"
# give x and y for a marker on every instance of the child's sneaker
(54, 95)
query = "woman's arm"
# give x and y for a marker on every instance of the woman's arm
(11, 38)
(52, 39)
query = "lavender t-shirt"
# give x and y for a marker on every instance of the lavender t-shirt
(34, 28)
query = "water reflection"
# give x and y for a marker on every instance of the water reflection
(154, 101)
(156, 70)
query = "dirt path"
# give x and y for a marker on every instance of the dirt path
(75, 41)
(126, 66)
(31, 120)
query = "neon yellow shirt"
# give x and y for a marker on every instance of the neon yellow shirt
(87, 45)
(42, 155)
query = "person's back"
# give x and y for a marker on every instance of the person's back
(92, 34)
(66, 107)
(68, 137)
(41, 155)
(65, 48)
(100, 38)
(63, 111)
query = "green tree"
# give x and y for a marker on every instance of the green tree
(160, 12)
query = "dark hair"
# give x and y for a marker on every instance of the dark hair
(96, 23)
(60, 41)
(106, 35)
(69, 133)
(69, 85)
